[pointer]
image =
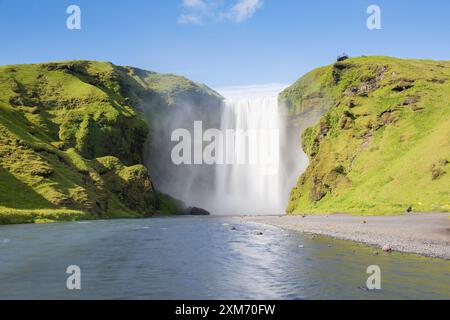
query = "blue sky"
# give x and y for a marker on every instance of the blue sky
(222, 42)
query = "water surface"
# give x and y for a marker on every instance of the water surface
(203, 258)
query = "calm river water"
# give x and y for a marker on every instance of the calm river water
(203, 258)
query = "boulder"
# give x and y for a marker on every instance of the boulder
(410, 100)
(404, 85)
(194, 211)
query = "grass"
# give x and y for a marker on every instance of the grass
(17, 216)
(58, 124)
(387, 129)
(169, 205)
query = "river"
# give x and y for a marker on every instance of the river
(203, 258)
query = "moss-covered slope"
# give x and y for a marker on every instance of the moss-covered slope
(383, 144)
(72, 139)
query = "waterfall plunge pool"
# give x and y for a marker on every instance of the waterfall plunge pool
(203, 258)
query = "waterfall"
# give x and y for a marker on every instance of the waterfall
(253, 179)
(260, 158)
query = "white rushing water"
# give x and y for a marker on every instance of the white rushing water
(253, 179)
(258, 157)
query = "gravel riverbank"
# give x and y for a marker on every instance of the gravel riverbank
(422, 233)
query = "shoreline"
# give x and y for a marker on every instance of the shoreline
(426, 234)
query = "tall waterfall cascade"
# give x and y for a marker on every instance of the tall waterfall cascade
(254, 178)
(258, 157)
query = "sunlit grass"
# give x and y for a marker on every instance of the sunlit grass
(394, 155)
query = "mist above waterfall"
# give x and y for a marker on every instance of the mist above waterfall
(190, 183)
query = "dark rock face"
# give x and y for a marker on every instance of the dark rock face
(438, 170)
(410, 100)
(194, 211)
(404, 85)
(342, 57)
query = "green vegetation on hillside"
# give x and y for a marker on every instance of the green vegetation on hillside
(72, 137)
(383, 144)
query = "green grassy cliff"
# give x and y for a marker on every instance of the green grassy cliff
(72, 136)
(382, 144)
